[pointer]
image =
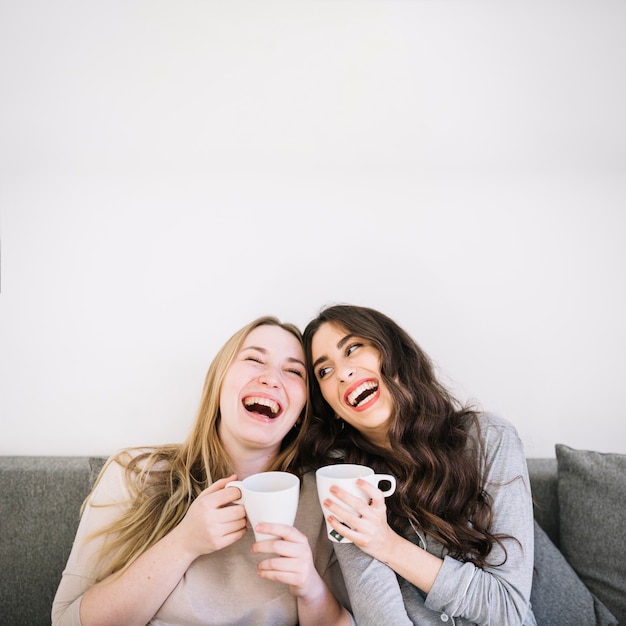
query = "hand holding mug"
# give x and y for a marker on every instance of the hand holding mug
(347, 491)
(289, 560)
(270, 497)
(211, 522)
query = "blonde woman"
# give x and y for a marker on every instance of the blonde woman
(161, 541)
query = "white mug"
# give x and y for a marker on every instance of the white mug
(344, 475)
(270, 497)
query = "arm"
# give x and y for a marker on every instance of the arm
(498, 594)
(134, 595)
(293, 565)
(151, 578)
(373, 588)
(369, 530)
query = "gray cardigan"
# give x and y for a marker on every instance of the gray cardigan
(462, 593)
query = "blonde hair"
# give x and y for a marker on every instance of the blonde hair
(164, 481)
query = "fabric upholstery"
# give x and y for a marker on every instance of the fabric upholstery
(40, 499)
(558, 595)
(592, 526)
(543, 473)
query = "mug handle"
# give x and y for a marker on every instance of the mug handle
(389, 478)
(238, 484)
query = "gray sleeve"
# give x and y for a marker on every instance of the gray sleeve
(500, 593)
(373, 588)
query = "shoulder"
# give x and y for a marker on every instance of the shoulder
(113, 482)
(498, 443)
(493, 430)
(135, 459)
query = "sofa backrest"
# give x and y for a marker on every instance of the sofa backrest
(40, 500)
(543, 475)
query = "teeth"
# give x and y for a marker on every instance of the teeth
(270, 404)
(366, 386)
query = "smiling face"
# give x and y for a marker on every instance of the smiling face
(347, 369)
(263, 392)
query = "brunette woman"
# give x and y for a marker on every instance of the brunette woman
(458, 531)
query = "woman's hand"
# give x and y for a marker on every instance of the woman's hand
(291, 562)
(368, 527)
(369, 530)
(213, 521)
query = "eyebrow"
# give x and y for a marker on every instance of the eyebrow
(291, 359)
(340, 345)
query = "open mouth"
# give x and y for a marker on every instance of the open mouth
(362, 394)
(263, 406)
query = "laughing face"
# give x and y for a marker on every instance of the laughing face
(264, 391)
(347, 369)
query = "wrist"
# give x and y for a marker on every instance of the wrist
(312, 593)
(392, 547)
(178, 542)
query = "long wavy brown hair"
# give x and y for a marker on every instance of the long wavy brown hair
(437, 463)
(164, 481)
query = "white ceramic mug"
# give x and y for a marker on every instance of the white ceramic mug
(344, 475)
(270, 497)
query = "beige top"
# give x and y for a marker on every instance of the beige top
(218, 588)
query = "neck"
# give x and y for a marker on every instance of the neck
(378, 438)
(246, 461)
(246, 467)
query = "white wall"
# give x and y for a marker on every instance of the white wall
(171, 170)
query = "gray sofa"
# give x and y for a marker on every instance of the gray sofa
(40, 498)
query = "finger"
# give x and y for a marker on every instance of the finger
(373, 493)
(219, 484)
(290, 543)
(292, 576)
(353, 503)
(344, 530)
(234, 512)
(220, 494)
(284, 531)
(217, 489)
(280, 564)
(234, 526)
(353, 528)
(227, 495)
(278, 549)
(338, 510)
(345, 519)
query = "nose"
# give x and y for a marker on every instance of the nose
(269, 377)
(346, 373)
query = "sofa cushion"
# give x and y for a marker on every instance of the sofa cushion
(544, 484)
(40, 500)
(558, 595)
(592, 528)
